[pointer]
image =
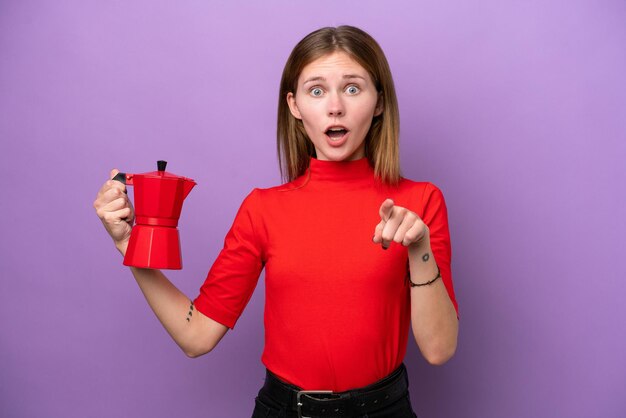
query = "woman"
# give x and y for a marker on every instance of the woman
(339, 301)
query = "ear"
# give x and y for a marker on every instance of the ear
(293, 107)
(380, 105)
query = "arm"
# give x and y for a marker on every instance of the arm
(195, 336)
(433, 316)
(195, 333)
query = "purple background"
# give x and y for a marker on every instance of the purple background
(516, 110)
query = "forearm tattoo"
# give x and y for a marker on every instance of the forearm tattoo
(425, 258)
(190, 312)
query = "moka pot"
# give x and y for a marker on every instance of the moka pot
(154, 241)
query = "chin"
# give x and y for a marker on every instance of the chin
(340, 156)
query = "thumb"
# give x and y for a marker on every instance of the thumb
(113, 173)
(385, 209)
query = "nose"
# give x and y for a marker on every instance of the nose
(335, 105)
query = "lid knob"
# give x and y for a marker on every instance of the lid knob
(161, 165)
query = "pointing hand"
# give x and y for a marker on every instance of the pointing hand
(400, 225)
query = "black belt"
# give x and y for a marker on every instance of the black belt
(320, 403)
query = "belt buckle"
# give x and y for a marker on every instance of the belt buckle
(308, 392)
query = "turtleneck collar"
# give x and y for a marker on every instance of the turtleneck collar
(339, 171)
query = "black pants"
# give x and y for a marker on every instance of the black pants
(267, 407)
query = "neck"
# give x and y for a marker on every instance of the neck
(340, 171)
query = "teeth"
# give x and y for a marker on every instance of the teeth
(332, 134)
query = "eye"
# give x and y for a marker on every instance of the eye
(353, 90)
(316, 91)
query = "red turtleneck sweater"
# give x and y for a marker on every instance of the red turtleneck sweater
(337, 308)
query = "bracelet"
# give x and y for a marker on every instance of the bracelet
(427, 283)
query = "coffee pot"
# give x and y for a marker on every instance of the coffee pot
(154, 242)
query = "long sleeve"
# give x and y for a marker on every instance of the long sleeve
(235, 273)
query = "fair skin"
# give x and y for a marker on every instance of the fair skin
(336, 102)
(433, 317)
(335, 91)
(195, 337)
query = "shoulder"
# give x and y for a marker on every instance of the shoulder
(424, 197)
(423, 190)
(273, 191)
(260, 197)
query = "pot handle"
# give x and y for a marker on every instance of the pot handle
(121, 177)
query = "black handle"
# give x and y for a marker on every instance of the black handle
(121, 177)
(161, 165)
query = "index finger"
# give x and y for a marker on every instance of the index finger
(114, 183)
(386, 209)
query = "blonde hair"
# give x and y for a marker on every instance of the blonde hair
(381, 143)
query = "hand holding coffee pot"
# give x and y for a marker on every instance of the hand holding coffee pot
(154, 241)
(116, 211)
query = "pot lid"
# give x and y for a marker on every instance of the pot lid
(161, 173)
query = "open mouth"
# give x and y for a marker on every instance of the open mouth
(335, 134)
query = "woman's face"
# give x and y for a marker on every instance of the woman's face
(336, 100)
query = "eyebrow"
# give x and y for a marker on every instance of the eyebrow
(345, 77)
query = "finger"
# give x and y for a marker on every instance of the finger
(107, 195)
(378, 231)
(407, 222)
(392, 225)
(386, 209)
(116, 217)
(114, 184)
(415, 233)
(116, 204)
(125, 215)
(111, 184)
(112, 199)
(103, 209)
(105, 186)
(112, 175)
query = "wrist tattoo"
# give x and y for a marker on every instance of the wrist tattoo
(425, 257)
(190, 312)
